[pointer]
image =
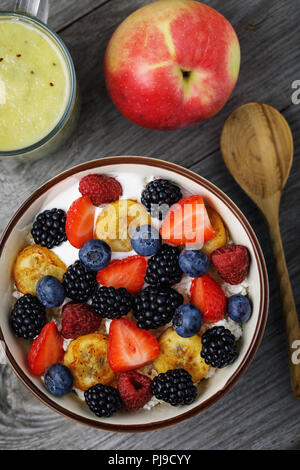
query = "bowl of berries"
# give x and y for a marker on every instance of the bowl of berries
(134, 293)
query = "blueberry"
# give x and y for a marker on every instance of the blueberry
(145, 240)
(95, 255)
(194, 263)
(58, 380)
(239, 308)
(50, 292)
(187, 320)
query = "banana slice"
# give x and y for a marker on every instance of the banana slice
(33, 263)
(118, 220)
(86, 357)
(220, 238)
(177, 352)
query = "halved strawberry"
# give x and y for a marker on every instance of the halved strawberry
(80, 221)
(128, 273)
(130, 347)
(208, 296)
(187, 222)
(46, 349)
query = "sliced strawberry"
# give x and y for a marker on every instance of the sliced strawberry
(187, 222)
(208, 296)
(130, 347)
(80, 221)
(46, 349)
(128, 273)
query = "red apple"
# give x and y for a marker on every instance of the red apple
(171, 64)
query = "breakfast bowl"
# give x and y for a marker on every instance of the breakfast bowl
(60, 192)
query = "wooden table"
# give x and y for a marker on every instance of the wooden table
(260, 412)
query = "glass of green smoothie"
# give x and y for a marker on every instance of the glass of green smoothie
(39, 103)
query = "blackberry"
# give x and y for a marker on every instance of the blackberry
(49, 228)
(155, 306)
(79, 283)
(109, 302)
(103, 400)
(175, 387)
(163, 268)
(159, 195)
(218, 347)
(28, 317)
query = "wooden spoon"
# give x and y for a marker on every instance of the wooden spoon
(257, 147)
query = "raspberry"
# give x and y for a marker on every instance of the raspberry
(134, 390)
(79, 320)
(100, 188)
(232, 263)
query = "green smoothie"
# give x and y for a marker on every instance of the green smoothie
(34, 85)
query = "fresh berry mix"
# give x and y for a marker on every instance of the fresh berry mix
(194, 263)
(79, 320)
(103, 400)
(218, 347)
(127, 297)
(49, 228)
(28, 317)
(163, 268)
(239, 308)
(146, 240)
(109, 302)
(155, 306)
(95, 255)
(50, 292)
(187, 320)
(134, 390)
(175, 387)
(100, 188)
(58, 380)
(232, 263)
(159, 195)
(79, 283)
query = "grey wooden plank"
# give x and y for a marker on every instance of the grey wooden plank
(62, 12)
(260, 412)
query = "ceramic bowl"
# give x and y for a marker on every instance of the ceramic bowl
(211, 390)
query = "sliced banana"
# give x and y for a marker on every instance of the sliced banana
(177, 352)
(118, 220)
(86, 357)
(33, 263)
(220, 238)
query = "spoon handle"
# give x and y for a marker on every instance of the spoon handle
(289, 307)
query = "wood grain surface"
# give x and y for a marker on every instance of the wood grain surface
(260, 412)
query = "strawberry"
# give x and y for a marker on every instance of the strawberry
(208, 296)
(80, 221)
(100, 188)
(232, 263)
(187, 222)
(128, 273)
(79, 320)
(46, 349)
(134, 389)
(130, 347)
